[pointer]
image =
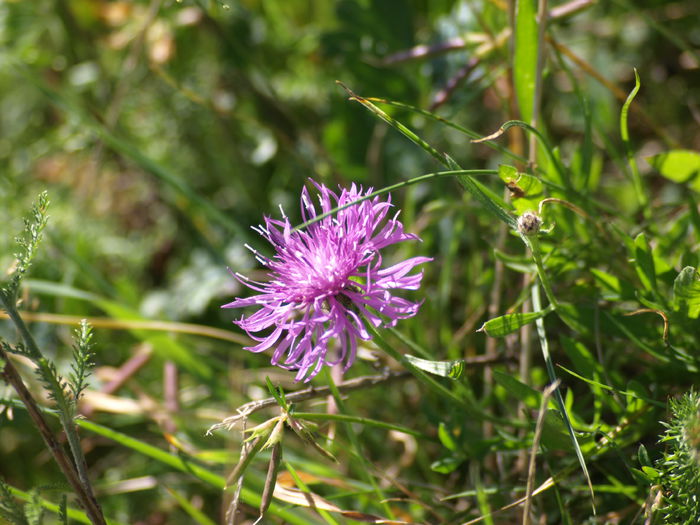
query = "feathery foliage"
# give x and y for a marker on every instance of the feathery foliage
(679, 468)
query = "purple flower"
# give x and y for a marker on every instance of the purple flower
(326, 281)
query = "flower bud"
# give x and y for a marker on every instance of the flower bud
(529, 223)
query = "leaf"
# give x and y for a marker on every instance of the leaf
(509, 323)
(686, 292)
(555, 433)
(517, 389)
(525, 56)
(517, 263)
(611, 286)
(581, 357)
(643, 456)
(624, 133)
(447, 464)
(682, 166)
(651, 473)
(526, 191)
(165, 345)
(644, 262)
(446, 437)
(451, 369)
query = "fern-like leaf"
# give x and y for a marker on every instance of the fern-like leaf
(27, 243)
(63, 510)
(17, 348)
(33, 509)
(56, 386)
(82, 361)
(10, 511)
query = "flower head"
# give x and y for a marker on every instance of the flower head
(326, 281)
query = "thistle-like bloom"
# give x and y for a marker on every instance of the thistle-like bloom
(326, 281)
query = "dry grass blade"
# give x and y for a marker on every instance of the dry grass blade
(546, 395)
(271, 479)
(314, 501)
(116, 324)
(657, 312)
(548, 484)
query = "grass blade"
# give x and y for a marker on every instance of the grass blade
(544, 343)
(624, 133)
(525, 57)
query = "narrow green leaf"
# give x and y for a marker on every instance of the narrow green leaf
(451, 369)
(509, 323)
(552, 154)
(525, 56)
(75, 515)
(388, 189)
(644, 263)
(314, 416)
(624, 133)
(611, 389)
(522, 392)
(490, 201)
(612, 286)
(410, 135)
(450, 124)
(193, 512)
(164, 344)
(446, 437)
(555, 434)
(544, 343)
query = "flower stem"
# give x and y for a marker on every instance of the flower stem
(533, 243)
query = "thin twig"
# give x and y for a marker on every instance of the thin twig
(308, 393)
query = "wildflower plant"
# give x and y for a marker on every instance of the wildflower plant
(327, 280)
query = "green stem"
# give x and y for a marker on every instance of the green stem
(415, 180)
(533, 243)
(317, 416)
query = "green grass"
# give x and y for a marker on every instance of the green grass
(162, 132)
